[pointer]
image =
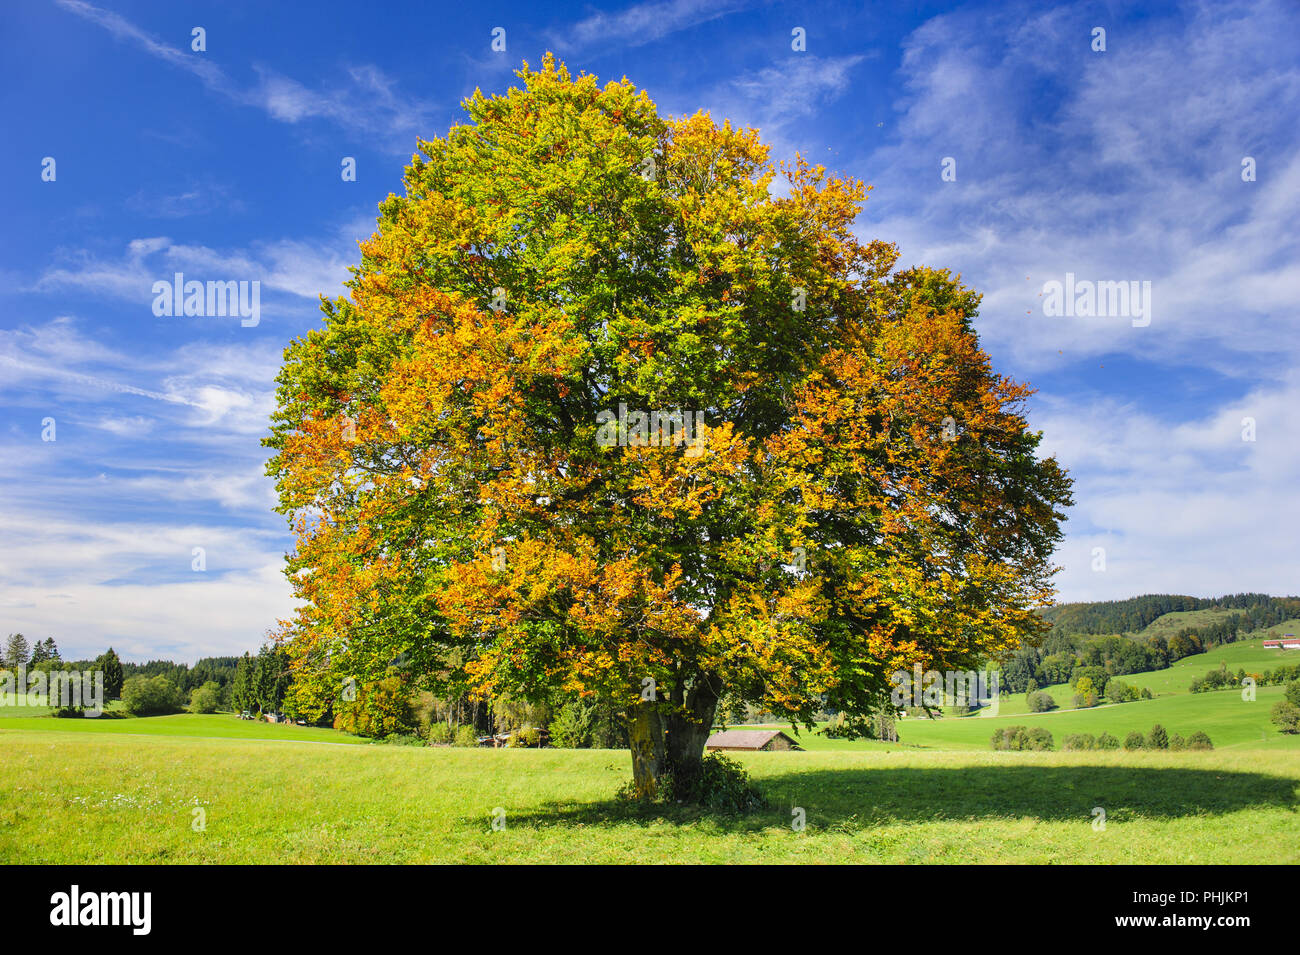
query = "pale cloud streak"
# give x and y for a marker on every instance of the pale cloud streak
(642, 23)
(365, 101)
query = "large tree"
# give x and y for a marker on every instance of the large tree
(111, 666)
(471, 500)
(16, 652)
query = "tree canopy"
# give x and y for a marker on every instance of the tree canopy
(488, 456)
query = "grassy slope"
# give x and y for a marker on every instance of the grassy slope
(216, 725)
(1169, 624)
(1250, 655)
(1230, 721)
(132, 800)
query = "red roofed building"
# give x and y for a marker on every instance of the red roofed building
(1289, 641)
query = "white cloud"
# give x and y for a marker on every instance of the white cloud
(289, 266)
(126, 427)
(1180, 507)
(799, 86)
(1116, 166)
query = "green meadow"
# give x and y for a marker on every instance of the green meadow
(210, 726)
(75, 797)
(216, 789)
(1231, 723)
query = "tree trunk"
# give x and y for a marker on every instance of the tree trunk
(689, 727)
(672, 743)
(645, 735)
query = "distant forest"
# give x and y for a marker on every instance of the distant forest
(1102, 639)
(1136, 613)
(219, 670)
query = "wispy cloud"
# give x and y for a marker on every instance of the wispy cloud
(212, 75)
(642, 23)
(81, 583)
(365, 102)
(1179, 507)
(298, 268)
(1100, 165)
(800, 86)
(193, 200)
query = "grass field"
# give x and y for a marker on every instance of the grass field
(122, 789)
(76, 798)
(1169, 624)
(1249, 655)
(211, 726)
(1230, 722)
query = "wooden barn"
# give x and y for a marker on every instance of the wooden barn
(766, 741)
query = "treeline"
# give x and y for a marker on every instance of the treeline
(400, 709)
(1222, 678)
(1087, 639)
(219, 670)
(1066, 658)
(1237, 625)
(1137, 613)
(394, 707)
(171, 685)
(1035, 738)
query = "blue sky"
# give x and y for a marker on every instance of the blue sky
(1115, 165)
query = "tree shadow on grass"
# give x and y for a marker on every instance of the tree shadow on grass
(866, 798)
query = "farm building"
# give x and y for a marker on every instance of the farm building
(1288, 642)
(752, 740)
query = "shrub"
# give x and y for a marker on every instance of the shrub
(720, 785)
(1009, 737)
(1040, 702)
(1021, 738)
(1107, 741)
(571, 728)
(1117, 691)
(1075, 741)
(1177, 743)
(1039, 739)
(1292, 692)
(526, 737)
(1287, 716)
(206, 698)
(1199, 740)
(148, 696)
(465, 736)
(403, 739)
(1157, 738)
(1147, 694)
(1135, 740)
(379, 710)
(439, 734)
